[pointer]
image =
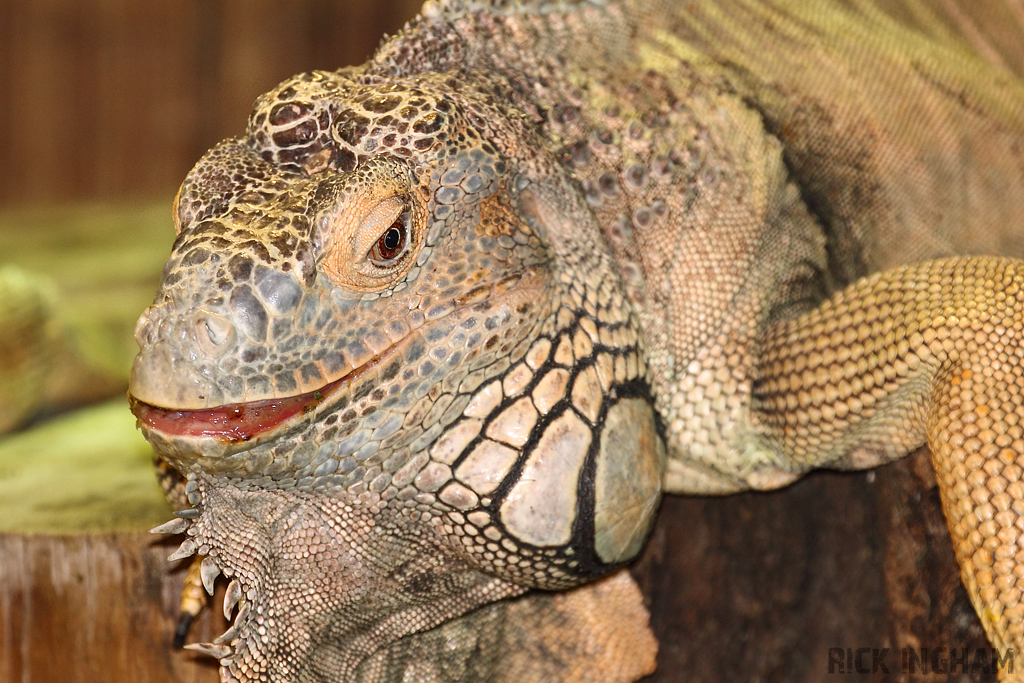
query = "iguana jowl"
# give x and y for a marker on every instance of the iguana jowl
(444, 327)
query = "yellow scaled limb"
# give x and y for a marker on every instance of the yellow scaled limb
(930, 352)
(193, 601)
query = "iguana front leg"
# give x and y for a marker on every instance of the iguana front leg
(930, 352)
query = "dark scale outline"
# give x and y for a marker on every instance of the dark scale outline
(579, 560)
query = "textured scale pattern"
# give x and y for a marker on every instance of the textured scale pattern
(935, 351)
(443, 328)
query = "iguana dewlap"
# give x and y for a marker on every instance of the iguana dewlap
(443, 328)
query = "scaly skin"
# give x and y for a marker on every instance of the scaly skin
(443, 328)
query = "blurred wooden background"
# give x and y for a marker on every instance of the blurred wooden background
(116, 99)
(113, 100)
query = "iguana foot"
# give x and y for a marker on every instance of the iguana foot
(193, 597)
(321, 583)
(598, 631)
(198, 580)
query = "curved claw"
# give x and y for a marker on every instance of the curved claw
(193, 601)
(231, 597)
(182, 629)
(212, 649)
(228, 635)
(208, 572)
(186, 549)
(174, 526)
(243, 614)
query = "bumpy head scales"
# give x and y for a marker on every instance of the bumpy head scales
(391, 353)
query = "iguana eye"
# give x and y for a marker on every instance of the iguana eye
(392, 243)
(369, 249)
(368, 237)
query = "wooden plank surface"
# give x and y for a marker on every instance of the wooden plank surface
(760, 586)
(118, 98)
(94, 607)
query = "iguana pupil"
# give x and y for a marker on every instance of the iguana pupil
(391, 242)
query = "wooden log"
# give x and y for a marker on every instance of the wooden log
(94, 607)
(761, 586)
(85, 593)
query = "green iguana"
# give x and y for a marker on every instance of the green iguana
(443, 328)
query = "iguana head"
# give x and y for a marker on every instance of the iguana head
(391, 353)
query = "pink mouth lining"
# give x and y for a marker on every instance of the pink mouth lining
(237, 422)
(230, 423)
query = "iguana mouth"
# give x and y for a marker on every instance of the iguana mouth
(232, 423)
(235, 423)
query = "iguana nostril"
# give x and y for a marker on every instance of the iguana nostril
(212, 333)
(249, 314)
(217, 328)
